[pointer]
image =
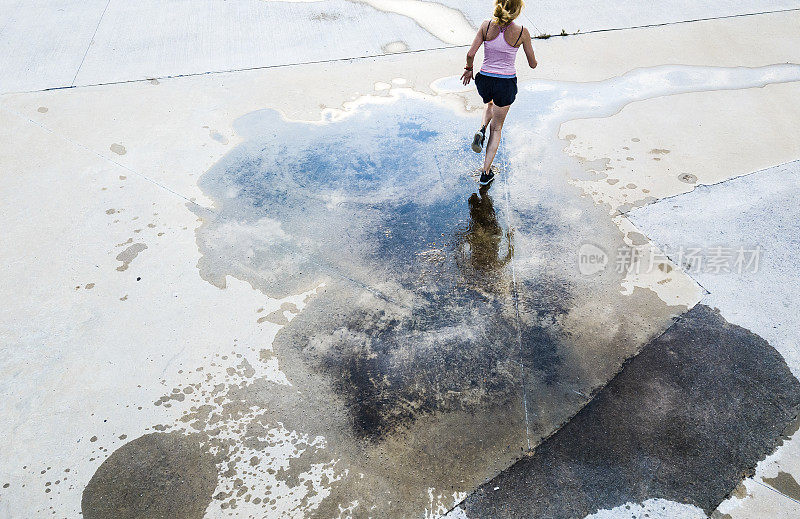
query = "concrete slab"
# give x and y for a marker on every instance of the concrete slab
(108, 313)
(551, 17)
(338, 393)
(698, 43)
(42, 44)
(143, 40)
(731, 215)
(668, 427)
(761, 296)
(147, 39)
(663, 147)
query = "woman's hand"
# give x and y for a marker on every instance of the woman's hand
(466, 77)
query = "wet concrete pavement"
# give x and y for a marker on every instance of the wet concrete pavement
(684, 421)
(769, 308)
(257, 294)
(449, 343)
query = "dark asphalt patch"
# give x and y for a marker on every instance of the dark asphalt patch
(685, 420)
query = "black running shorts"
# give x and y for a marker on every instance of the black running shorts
(501, 90)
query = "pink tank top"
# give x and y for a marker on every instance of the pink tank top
(498, 55)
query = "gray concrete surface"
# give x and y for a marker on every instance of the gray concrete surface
(68, 43)
(668, 427)
(278, 292)
(753, 212)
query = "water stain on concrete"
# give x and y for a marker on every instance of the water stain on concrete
(215, 135)
(158, 475)
(256, 461)
(440, 301)
(129, 254)
(42, 110)
(637, 238)
(785, 484)
(685, 420)
(394, 47)
(119, 149)
(792, 428)
(629, 206)
(740, 492)
(420, 278)
(441, 21)
(279, 316)
(325, 16)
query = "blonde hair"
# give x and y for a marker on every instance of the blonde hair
(505, 11)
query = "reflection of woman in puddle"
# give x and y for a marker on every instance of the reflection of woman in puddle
(497, 80)
(481, 240)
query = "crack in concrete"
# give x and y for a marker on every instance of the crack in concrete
(86, 53)
(776, 491)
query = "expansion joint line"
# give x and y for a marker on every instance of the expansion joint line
(515, 298)
(776, 491)
(360, 57)
(97, 27)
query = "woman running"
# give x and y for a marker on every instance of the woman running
(497, 80)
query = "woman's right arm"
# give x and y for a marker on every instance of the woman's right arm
(527, 44)
(476, 44)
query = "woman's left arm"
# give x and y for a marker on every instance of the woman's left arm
(476, 44)
(527, 46)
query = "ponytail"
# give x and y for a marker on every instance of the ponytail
(505, 11)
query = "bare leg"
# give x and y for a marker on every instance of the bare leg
(498, 117)
(487, 114)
